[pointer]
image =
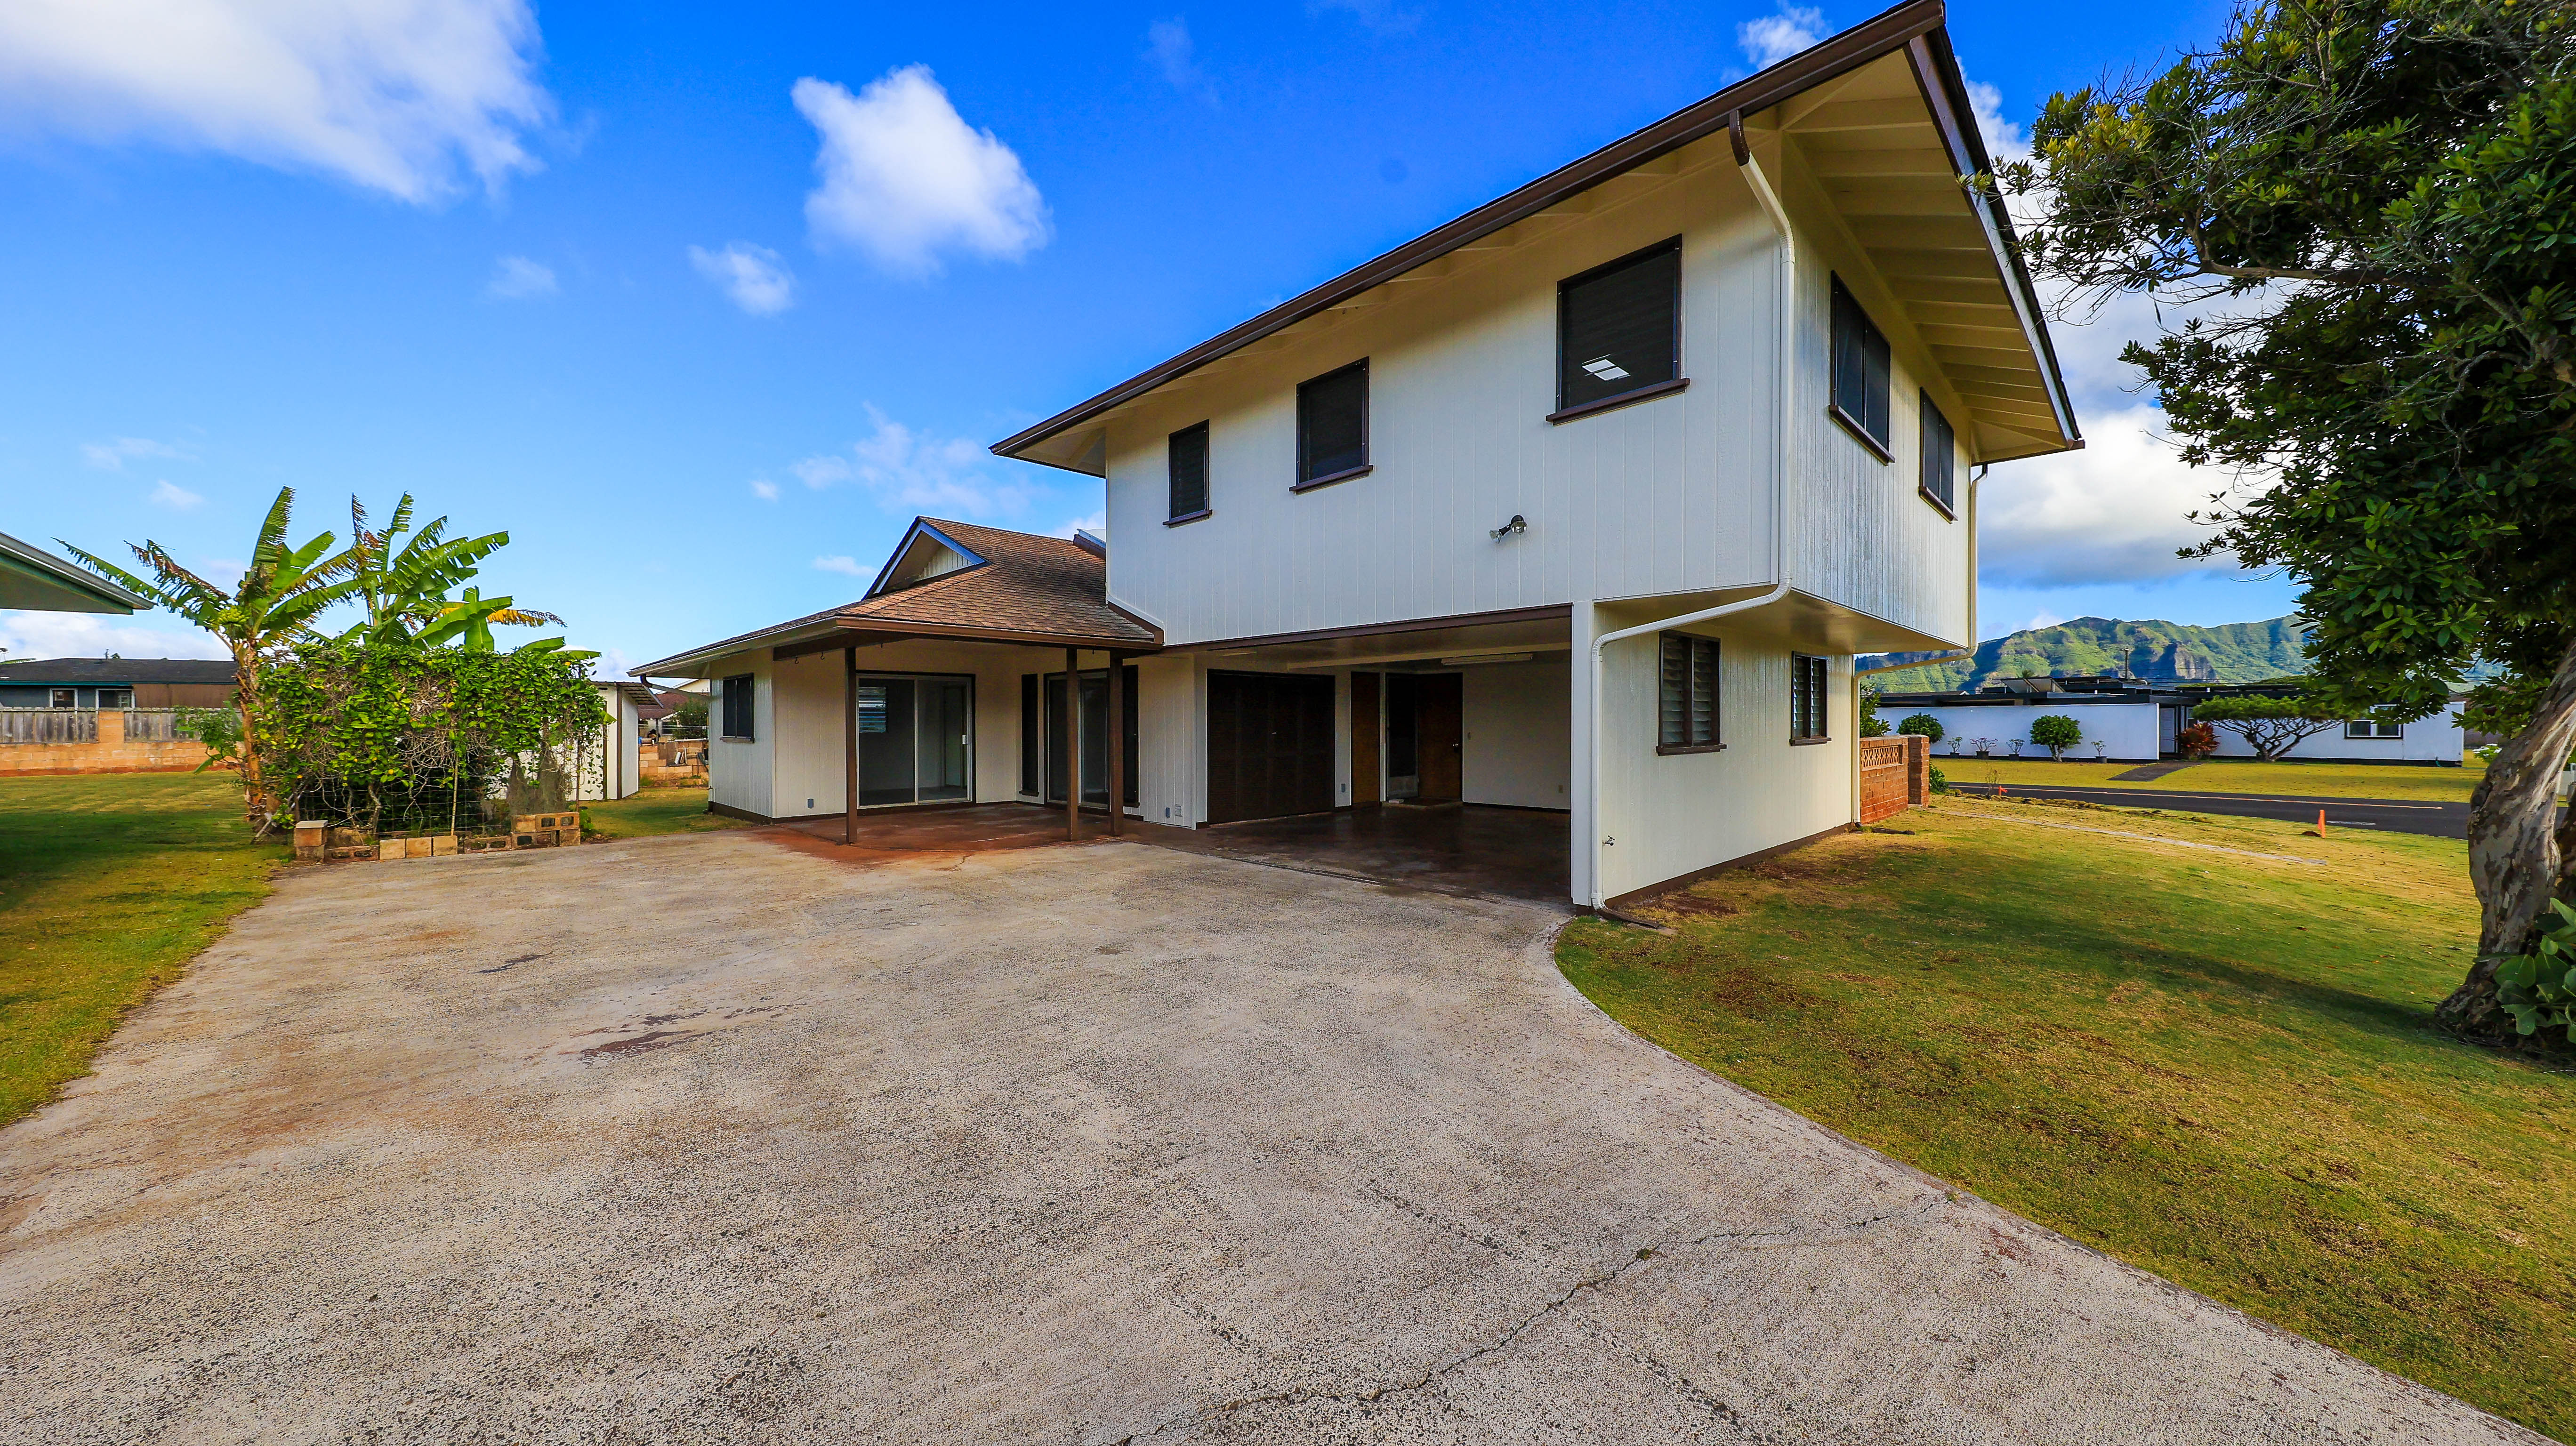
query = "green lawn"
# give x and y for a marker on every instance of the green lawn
(110, 885)
(2219, 1068)
(655, 810)
(2232, 775)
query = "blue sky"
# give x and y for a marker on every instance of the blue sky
(703, 303)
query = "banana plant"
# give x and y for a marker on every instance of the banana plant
(279, 595)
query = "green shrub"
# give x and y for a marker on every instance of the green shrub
(2056, 732)
(2539, 989)
(1922, 725)
(1940, 781)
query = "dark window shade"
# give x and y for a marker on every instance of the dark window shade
(1860, 367)
(1806, 696)
(1686, 710)
(1332, 422)
(1618, 327)
(737, 706)
(1940, 454)
(1189, 457)
(1032, 738)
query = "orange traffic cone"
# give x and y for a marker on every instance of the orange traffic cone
(2321, 823)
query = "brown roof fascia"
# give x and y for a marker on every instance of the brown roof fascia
(1544, 612)
(1881, 34)
(895, 630)
(1945, 95)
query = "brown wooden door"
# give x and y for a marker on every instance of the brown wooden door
(1367, 728)
(1270, 745)
(1439, 714)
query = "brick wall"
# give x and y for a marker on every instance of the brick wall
(1895, 774)
(112, 753)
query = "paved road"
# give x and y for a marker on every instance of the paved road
(708, 1139)
(2393, 815)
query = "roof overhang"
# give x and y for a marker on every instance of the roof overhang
(807, 636)
(1950, 150)
(40, 582)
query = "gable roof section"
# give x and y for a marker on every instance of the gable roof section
(1913, 30)
(1021, 588)
(925, 553)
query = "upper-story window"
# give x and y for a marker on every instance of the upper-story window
(1619, 332)
(1940, 457)
(1189, 464)
(1807, 677)
(1860, 371)
(1332, 426)
(737, 708)
(1686, 702)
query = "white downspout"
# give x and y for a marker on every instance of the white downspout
(1784, 442)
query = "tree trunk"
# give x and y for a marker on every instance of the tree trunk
(245, 697)
(2518, 856)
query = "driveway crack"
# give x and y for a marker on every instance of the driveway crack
(1599, 1281)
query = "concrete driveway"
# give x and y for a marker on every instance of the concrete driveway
(714, 1139)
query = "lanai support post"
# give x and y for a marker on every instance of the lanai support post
(1117, 741)
(850, 745)
(1072, 745)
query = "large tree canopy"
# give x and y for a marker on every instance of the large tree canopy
(2378, 199)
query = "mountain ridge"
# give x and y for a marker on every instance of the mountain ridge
(2153, 649)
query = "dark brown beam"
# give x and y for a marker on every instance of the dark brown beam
(850, 745)
(1072, 746)
(1117, 741)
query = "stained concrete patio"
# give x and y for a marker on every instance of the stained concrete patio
(709, 1138)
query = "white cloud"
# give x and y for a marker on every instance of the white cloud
(904, 178)
(1774, 38)
(2040, 619)
(2005, 141)
(1168, 45)
(2110, 513)
(764, 489)
(89, 635)
(1097, 524)
(392, 95)
(845, 565)
(750, 274)
(1383, 16)
(517, 278)
(913, 472)
(114, 455)
(168, 494)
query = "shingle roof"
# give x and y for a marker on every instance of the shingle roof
(114, 672)
(1026, 584)
(1027, 589)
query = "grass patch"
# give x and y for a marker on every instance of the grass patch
(2233, 775)
(654, 811)
(2219, 1068)
(110, 884)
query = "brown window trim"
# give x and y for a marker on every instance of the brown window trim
(1803, 742)
(1645, 393)
(1667, 750)
(1934, 503)
(1189, 517)
(1860, 433)
(735, 738)
(1329, 478)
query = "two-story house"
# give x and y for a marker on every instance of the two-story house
(1584, 501)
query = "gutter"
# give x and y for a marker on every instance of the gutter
(1784, 441)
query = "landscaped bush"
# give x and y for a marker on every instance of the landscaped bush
(2270, 726)
(2196, 740)
(1922, 725)
(2539, 988)
(2055, 732)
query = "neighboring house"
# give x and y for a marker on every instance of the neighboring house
(115, 683)
(1581, 502)
(618, 769)
(2135, 721)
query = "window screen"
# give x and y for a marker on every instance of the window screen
(1687, 707)
(1618, 327)
(1806, 696)
(1860, 368)
(737, 707)
(1940, 455)
(1332, 424)
(2362, 728)
(1189, 456)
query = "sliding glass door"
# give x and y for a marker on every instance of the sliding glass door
(916, 740)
